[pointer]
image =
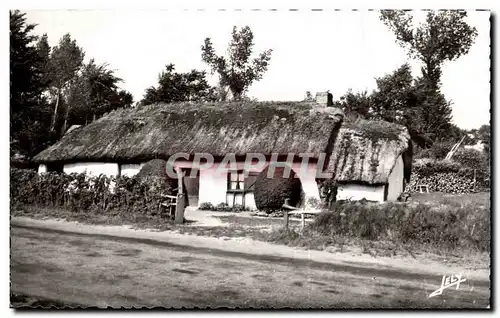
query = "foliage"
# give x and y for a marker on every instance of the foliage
(29, 111)
(92, 93)
(355, 104)
(82, 193)
(327, 192)
(221, 207)
(270, 193)
(179, 87)
(484, 134)
(470, 158)
(437, 151)
(65, 61)
(206, 206)
(51, 89)
(445, 36)
(413, 227)
(308, 97)
(236, 71)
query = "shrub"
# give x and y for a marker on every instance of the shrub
(206, 206)
(223, 207)
(82, 193)
(238, 208)
(422, 225)
(471, 158)
(270, 193)
(155, 171)
(439, 150)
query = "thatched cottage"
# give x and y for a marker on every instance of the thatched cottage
(122, 141)
(371, 160)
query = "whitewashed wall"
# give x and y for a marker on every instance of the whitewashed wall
(130, 170)
(396, 180)
(42, 168)
(250, 201)
(357, 192)
(213, 186)
(213, 183)
(92, 168)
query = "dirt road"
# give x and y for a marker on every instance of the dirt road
(101, 271)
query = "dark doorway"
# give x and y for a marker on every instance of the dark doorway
(192, 185)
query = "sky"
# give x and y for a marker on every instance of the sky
(312, 50)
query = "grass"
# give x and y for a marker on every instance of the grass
(137, 221)
(439, 223)
(481, 198)
(452, 225)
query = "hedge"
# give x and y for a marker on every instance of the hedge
(270, 193)
(84, 193)
(447, 226)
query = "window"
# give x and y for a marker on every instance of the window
(55, 167)
(236, 180)
(239, 187)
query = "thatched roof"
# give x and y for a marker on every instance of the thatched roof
(366, 151)
(158, 131)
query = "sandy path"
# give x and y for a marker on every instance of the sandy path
(423, 264)
(97, 270)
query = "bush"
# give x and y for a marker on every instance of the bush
(270, 193)
(156, 170)
(471, 158)
(223, 207)
(422, 225)
(206, 206)
(82, 193)
(238, 208)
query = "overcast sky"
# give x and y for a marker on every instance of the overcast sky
(312, 51)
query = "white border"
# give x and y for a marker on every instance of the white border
(191, 5)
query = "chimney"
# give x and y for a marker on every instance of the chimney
(324, 99)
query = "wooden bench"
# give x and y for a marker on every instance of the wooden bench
(169, 203)
(294, 210)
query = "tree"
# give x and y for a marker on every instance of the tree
(308, 97)
(43, 49)
(236, 71)
(92, 93)
(355, 104)
(124, 99)
(65, 61)
(27, 105)
(396, 99)
(445, 36)
(178, 87)
(484, 134)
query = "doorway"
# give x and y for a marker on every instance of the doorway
(192, 185)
